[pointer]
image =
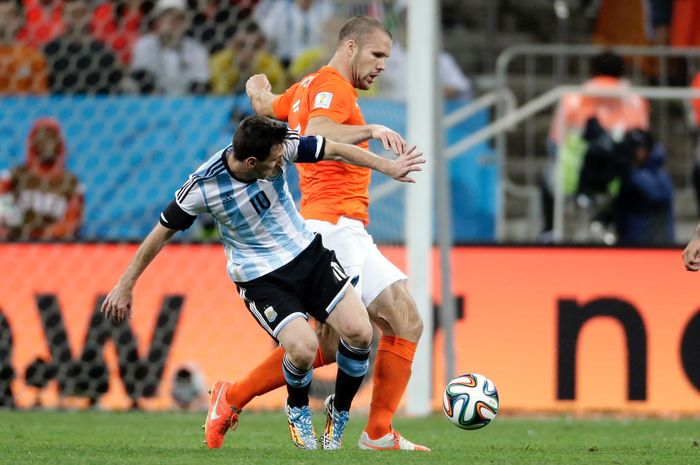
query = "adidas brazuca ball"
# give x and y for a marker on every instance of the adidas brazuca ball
(470, 401)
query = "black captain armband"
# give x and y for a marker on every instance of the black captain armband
(174, 217)
(311, 149)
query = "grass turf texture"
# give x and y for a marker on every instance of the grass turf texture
(56, 438)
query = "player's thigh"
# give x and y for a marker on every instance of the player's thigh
(300, 341)
(394, 311)
(327, 341)
(349, 318)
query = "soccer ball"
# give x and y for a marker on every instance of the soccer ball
(470, 401)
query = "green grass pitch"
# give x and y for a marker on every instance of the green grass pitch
(74, 438)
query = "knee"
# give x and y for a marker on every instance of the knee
(301, 352)
(400, 313)
(412, 327)
(360, 335)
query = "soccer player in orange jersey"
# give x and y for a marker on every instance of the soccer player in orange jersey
(335, 200)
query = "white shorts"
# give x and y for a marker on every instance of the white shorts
(356, 251)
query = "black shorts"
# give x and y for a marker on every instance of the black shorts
(314, 282)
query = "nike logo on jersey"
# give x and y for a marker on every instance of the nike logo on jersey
(214, 415)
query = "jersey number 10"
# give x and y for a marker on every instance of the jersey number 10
(260, 202)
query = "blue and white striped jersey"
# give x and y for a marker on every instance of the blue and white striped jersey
(258, 222)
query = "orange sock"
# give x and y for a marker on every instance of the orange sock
(266, 377)
(392, 370)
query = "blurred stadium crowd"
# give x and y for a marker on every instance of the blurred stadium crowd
(173, 47)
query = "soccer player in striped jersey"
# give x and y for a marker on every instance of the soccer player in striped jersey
(280, 267)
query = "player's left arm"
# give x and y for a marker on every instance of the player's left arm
(407, 161)
(312, 149)
(179, 215)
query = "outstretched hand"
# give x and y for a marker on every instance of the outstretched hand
(117, 304)
(391, 140)
(691, 254)
(407, 162)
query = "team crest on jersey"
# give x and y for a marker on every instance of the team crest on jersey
(270, 314)
(323, 100)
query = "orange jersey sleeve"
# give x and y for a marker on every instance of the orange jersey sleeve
(282, 103)
(329, 189)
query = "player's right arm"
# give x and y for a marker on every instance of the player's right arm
(117, 304)
(354, 134)
(179, 215)
(691, 254)
(331, 106)
(259, 91)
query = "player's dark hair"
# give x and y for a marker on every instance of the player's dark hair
(608, 64)
(358, 27)
(255, 137)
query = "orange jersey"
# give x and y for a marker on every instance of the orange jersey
(615, 114)
(329, 189)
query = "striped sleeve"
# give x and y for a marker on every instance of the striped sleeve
(183, 210)
(190, 198)
(291, 145)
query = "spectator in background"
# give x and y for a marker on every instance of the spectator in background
(616, 115)
(77, 62)
(213, 22)
(455, 84)
(293, 26)
(644, 206)
(119, 23)
(22, 69)
(41, 199)
(43, 22)
(244, 56)
(188, 388)
(166, 61)
(310, 60)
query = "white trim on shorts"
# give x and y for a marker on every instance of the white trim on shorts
(358, 254)
(338, 297)
(286, 321)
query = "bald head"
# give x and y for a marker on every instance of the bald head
(359, 28)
